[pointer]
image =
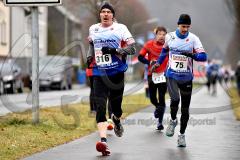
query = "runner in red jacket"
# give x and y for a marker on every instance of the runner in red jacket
(156, 79)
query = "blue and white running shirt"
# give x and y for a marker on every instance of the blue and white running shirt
(180, 67)
(113, 36)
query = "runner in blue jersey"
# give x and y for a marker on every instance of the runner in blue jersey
(212, 76)
(110, 43)
(181, 47)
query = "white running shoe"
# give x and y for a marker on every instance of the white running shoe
(181, 140)
(171, 127)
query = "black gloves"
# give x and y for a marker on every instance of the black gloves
(153, 63)
(89, 61)
(188, 54)
(154, 67)
(108, 50)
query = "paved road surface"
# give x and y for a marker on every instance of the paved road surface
(21, 102)
(208, 136)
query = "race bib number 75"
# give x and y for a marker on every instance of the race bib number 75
(179, 63)
(102, 59)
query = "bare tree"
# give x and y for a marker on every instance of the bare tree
(233, 54)
(128, 12)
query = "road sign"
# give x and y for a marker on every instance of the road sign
(32, 2)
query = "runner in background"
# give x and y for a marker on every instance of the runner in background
(156, 79)
(89, 74)
(212, 74)
(145, 79)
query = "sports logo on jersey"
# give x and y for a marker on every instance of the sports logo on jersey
(96, 29)
(171, 37)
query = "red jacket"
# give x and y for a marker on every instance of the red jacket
(89, 72)
(153, 49)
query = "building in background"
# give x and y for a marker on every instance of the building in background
(21, 21)
(20, 33)
(4, 30)
(63, 29)
(58, 28)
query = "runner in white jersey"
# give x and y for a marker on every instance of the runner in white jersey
(110, 43)
(181, 47)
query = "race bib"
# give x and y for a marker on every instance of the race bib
(158, 78)
(179, 63)
(102, 59)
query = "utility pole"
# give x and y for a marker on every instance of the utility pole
(35, 65)
(35, 46)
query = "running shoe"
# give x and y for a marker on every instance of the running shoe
(159, 127)
(110, 125)
(118, 128)
(181, 140)
(171, 127)
(103, 147)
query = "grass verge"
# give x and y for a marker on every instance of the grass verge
(20, 138)
(235, 101)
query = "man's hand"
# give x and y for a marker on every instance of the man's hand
(154, 67)
(108, 50)
(187, 54)
(152, 63)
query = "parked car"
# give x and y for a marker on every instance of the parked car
(55, 72)
(11, 77)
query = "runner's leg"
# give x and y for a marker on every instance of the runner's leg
(152, 91)
(186, 93)
(91, 97)
(174, 96)
(162, 89)
(101, 94)
(115, 98)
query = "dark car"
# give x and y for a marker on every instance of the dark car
(11, 77)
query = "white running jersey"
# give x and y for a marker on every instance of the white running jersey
(113, 36)
(180, 67)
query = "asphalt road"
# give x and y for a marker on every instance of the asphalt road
(213, 135)
(21, 102)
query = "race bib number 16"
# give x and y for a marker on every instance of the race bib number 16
(179, 63)
(102, 59)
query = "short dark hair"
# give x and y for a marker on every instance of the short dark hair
(159, 29)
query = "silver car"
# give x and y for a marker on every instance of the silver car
(55, 72)
(11, 77)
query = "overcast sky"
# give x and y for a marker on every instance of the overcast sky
(211, 20)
